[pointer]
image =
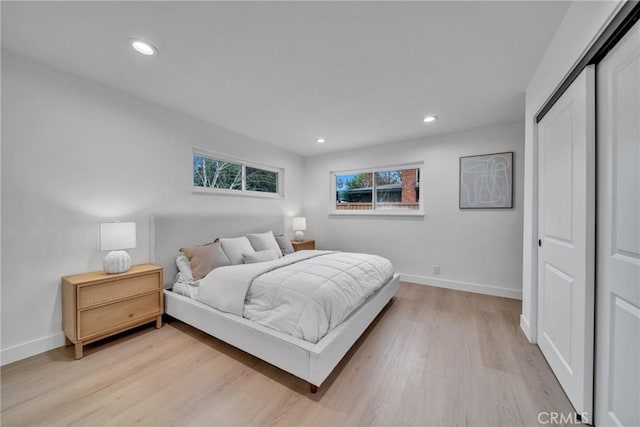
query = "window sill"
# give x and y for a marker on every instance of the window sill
(223, 192)
(418, 213)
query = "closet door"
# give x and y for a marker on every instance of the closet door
(618, 252)
(566, 203)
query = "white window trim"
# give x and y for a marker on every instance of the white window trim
(374, 212)
(244, 163)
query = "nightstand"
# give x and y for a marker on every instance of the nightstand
(97, 305)
(305, 244)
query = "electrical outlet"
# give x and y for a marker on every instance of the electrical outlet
(436, 269)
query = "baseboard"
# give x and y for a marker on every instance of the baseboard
(31, 348)
(462, 286)
(524, 325)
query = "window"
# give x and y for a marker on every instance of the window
(221, 174)
(379, 191)
(213, 173)
(261, 180)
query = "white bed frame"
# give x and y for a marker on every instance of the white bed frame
(311, 362)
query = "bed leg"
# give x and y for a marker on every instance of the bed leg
(313, 388)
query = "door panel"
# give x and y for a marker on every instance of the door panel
(624, 370)
(618, 262)
(566, 189)
(557, 296)
(557, 170)
(627, 155)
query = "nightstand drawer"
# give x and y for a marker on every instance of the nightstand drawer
(91, 295)
(96, 321)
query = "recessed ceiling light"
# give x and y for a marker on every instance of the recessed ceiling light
(321, 140)
(143, 47)
(430, 119)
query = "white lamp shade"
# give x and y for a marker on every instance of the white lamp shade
(299, 223)
(117, 235)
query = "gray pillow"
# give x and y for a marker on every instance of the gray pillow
(285, 245)
(260, 256)
(235, 248)
(205, 258)
(264, 241)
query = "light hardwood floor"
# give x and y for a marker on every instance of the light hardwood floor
(433, 357)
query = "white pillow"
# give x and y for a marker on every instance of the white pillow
(184, 266)
(264, 241)
(235, 248)
(260, 256)
(180, 278)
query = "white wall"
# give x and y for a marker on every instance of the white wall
(75, 153)
(479, 250)
(580, 27)
(0, 200)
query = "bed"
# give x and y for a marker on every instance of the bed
(310, 362)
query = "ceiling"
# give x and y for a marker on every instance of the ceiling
(355, 73)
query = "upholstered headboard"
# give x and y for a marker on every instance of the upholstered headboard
(169, 233)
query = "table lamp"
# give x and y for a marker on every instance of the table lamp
(115, 237)
(299, 225)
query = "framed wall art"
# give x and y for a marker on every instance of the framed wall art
(486, 181)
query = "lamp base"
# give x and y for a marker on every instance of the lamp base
(299, 236)
(116, 262)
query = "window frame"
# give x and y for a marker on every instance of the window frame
(376, 212)
(279, 194)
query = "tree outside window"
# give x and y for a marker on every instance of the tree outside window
(216, 173)
(212, 173)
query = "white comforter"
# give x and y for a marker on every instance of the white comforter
(305, 294)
